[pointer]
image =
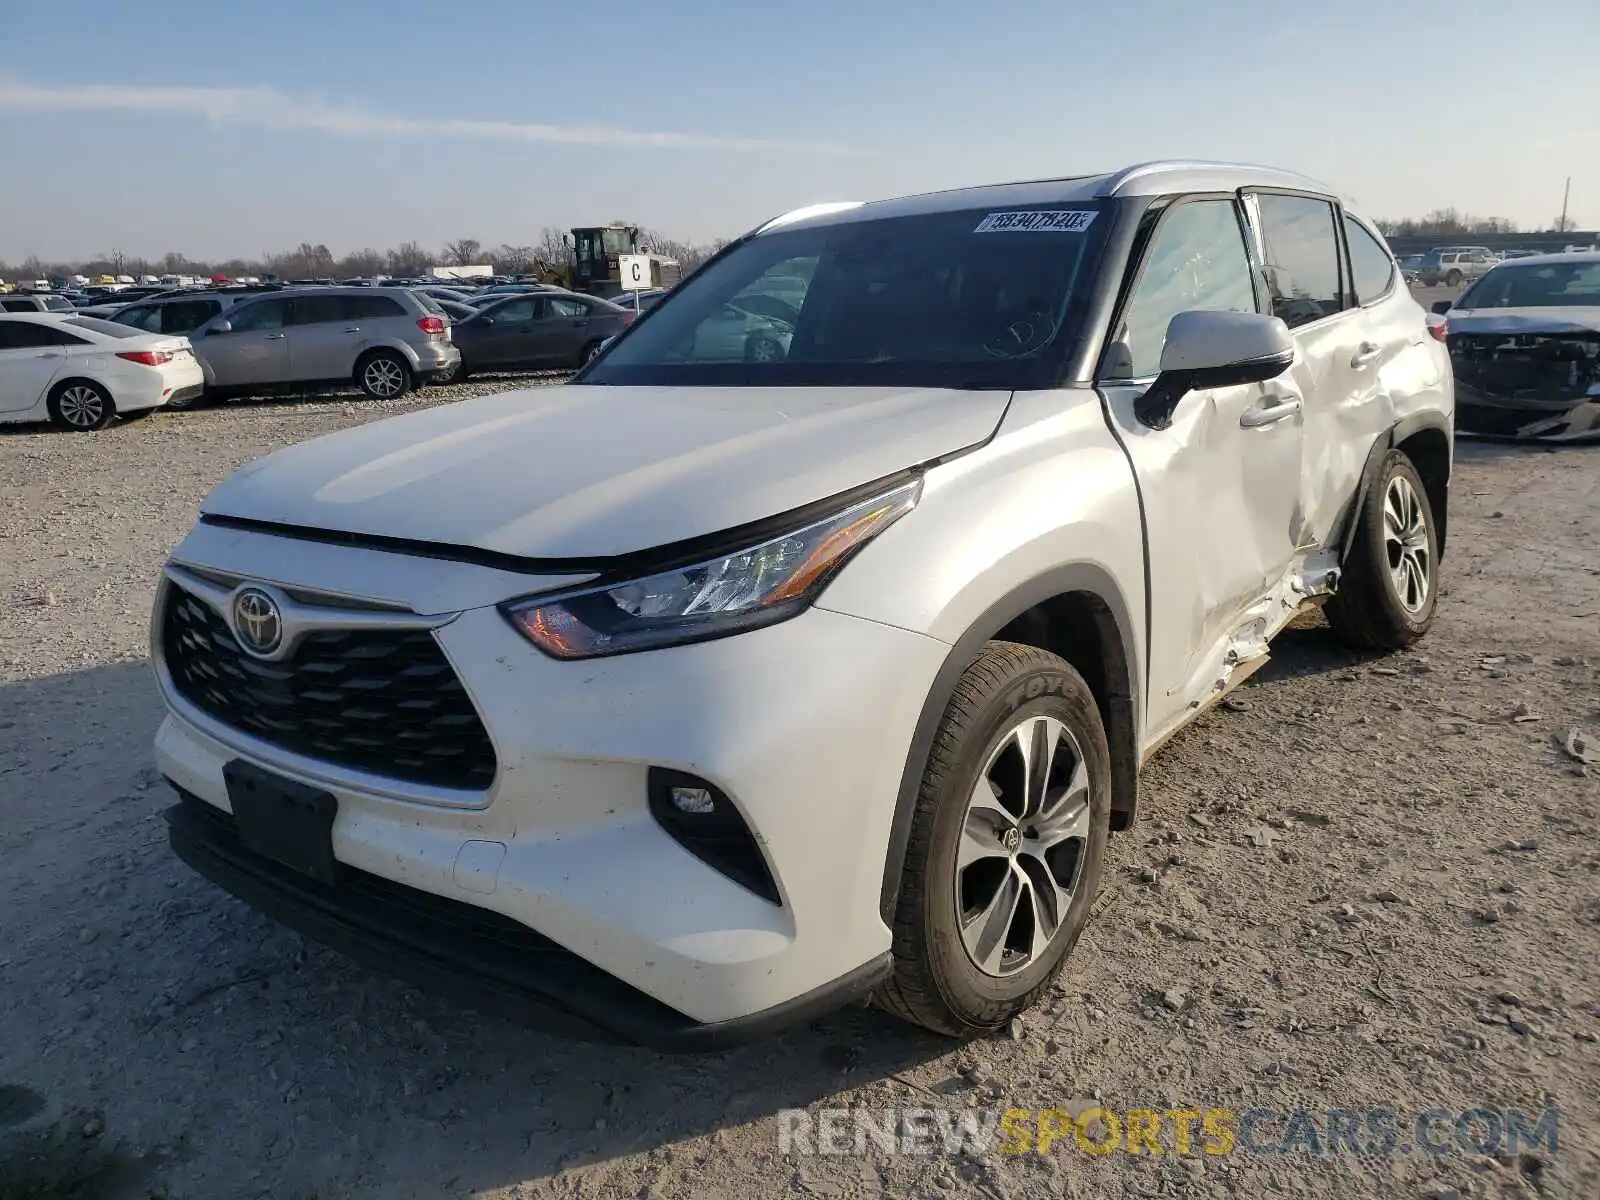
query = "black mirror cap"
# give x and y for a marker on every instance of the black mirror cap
(1442, 306)
(1154, 409)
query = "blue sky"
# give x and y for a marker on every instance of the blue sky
(234, 127)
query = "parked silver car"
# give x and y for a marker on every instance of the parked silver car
(27, 302)
(385, 340)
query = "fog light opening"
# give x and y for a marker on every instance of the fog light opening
(699, 817)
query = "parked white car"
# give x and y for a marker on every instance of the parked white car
(718, 689)
(79, 372)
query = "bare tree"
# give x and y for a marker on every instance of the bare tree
(463, 252)
(363, 263)
(553, 248)
(1563, 224)
(408, 259)
(514, 260)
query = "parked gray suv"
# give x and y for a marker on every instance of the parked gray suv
(386, 341)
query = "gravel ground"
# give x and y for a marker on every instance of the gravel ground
(1364, 881)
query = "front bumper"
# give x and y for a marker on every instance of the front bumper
(805, 727)
(475, 957)
(1480, 414)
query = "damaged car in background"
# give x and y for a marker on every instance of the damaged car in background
(1525, 345)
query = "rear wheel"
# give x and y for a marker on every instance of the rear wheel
(80, 406)
(589, 351)
(1453, 279)
(1390, 586)
(383, 375)
(1006, 844)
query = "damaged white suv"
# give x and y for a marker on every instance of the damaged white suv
(724, 686)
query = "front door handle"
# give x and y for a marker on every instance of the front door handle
(1271, 410)
(275, 337)
(1364, 354)
(352, 329)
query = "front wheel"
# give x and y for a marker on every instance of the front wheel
(79, 406)
(384, 375)
(1390, 586)
(1006, 844)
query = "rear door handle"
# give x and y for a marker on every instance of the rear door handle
(274, 337)
(1273, 409)
(352, 329)
(1365, 353)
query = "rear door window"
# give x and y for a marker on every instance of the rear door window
(560, 306)
(143, 316)
(18, 306)
(185, 316)
(1302, 258)
(321, 310)
(515, 312)
(262, 315)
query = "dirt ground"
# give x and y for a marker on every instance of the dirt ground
(1366, 881)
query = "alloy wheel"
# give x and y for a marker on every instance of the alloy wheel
(81, 407)
(1023, 843)
(384, 377)
(1405, 543)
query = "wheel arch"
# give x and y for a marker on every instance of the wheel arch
(1425, 438)
(1077, 612)
(64, 381)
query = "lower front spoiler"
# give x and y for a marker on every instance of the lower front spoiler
(472, 956)
(1531, 423)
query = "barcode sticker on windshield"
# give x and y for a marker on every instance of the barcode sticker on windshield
(1073, 220)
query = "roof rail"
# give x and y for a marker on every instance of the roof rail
(810, 210)
(1119, 181)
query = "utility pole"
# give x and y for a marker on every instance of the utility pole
(1566, 194)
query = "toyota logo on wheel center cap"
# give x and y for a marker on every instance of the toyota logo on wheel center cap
(257, 623)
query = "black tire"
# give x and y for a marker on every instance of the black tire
(937, 982)
(589, 351)
(80, 406)
(384, 375)
(1369, 611)
(1453, 279)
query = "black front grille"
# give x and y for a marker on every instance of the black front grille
(377, 700)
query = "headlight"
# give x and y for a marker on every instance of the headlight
(757, 586)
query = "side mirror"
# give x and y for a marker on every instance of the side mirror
(1212, 350)
(221, 327)
(1442, 306)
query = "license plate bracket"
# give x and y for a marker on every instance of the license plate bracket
(283, 820)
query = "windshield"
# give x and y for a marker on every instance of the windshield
(1553, 285)
(972, 299)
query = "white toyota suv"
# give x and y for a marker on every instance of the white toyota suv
(719, 687)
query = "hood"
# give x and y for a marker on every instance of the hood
(1577, 319)
(591, 472)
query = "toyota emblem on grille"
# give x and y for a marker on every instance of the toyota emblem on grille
(257, 623)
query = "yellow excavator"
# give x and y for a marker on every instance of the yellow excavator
(594, 265)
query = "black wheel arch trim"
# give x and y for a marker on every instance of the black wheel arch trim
(1125, 703)
(1390, 439)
